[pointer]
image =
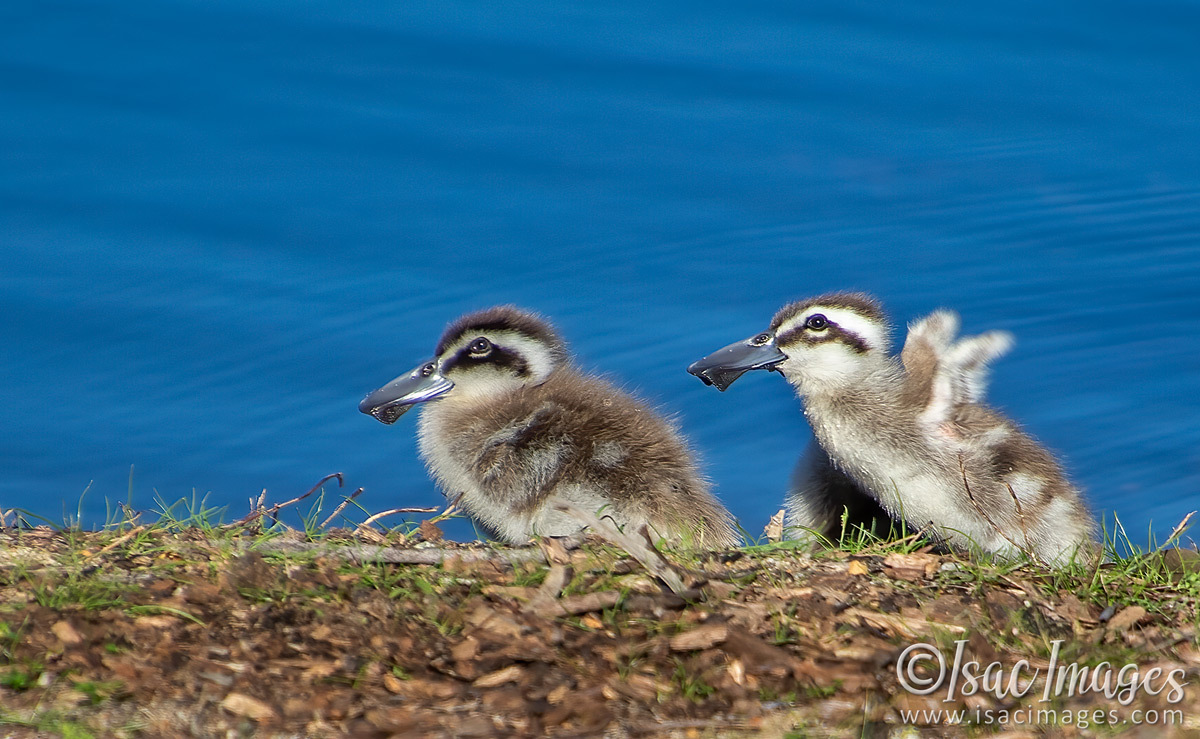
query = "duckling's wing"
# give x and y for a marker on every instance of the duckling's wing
(520, 462)
(965, 364)
(944, 374)
(929, 387)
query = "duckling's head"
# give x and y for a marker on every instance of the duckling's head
(482, 354)
(824, 343)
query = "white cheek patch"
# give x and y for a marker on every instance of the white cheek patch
(541, 360)
(825, 365)
(482, 384)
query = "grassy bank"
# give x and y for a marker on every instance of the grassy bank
(182, 626)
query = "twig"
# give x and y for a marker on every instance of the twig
(390, 555)
(971, 496)
(392, 512)
(341, 507)
(658, 727)
(575, 605)
(259, 511)
(1020, 513)
(117, 542)
(641, 550)
(1180, 527)
(545, 600)
(450, 510)
(373, 536)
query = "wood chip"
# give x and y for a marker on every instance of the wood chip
(737, 671)
(510, 674)
(66, 633)
(592, 622)
(1126, 617)
(896, 625)
(578, 604)
(240, 704)
(774, 529)
(556, 553)
(857, 567)
(466, 649)
(429, 531)
(911, 567)
(760, 657)
(704, 637)
(155, 622)
(494, 621)
(392, 684)
(558, 695)
(556, 579)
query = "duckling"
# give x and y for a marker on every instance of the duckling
(915, 433)
(512, 429)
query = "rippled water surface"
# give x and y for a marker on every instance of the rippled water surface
(224, 222)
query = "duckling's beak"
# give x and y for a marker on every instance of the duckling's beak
(724, 366)
(392, 400)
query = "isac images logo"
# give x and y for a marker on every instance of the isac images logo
(923, 670)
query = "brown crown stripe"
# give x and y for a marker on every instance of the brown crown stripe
(860, 303)
(503, 318)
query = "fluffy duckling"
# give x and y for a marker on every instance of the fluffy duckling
(514, 428)
(914, 433)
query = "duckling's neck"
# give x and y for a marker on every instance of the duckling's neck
(875, 394)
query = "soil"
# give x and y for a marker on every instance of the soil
(161, 633)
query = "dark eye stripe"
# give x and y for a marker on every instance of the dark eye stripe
(498, 357)
(832, 332)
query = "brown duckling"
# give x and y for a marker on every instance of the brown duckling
(511, 427)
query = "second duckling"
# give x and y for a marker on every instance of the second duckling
(914, 433)
(512, 426)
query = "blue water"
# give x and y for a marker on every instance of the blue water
(224, 222)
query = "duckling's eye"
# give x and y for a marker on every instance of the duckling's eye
(428, 369)
(761, 340)
(816, 322)
(480, 346)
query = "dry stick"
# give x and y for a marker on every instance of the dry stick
(1180, 527)
(341, 507)
(1020, 513)
(116, 542)
(393, 511)
(971, 496)
(450, 510)
(545, 600)
(713, 723)
(363, 527)
(576, 604)
(259, 511)
(362, 554)
(641, 550)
